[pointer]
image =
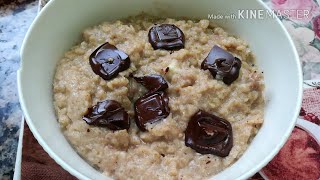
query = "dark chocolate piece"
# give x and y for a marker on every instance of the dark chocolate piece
(153, 83)
(151, 108)
(222, 65)
(166, 36)
(107, 61)
(108, 114)
(209, 134)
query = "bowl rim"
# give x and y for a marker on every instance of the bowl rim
(32, 128)
(79, 175)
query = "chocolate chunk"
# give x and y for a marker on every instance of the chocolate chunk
(222, 65)
(166, 36)
(151, 108)
(107, 61)
(108, 114)
(153, 82)
(209, 134)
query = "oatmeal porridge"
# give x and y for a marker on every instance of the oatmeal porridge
(151, 98)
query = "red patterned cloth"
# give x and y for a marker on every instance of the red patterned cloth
(36, 163)
(299, 159)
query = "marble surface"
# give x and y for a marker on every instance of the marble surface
(15, 18)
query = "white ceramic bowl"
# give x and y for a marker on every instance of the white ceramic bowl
(61, 22)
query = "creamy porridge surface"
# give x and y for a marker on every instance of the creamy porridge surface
(160, 152)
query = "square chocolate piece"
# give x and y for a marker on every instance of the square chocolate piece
(151, 108)
(166, 36)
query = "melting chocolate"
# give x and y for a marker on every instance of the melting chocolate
(151, 108)
(108, 113)
(153, 83)
(209, 134)
(166, 36)
(222, 65)
(107, 61)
